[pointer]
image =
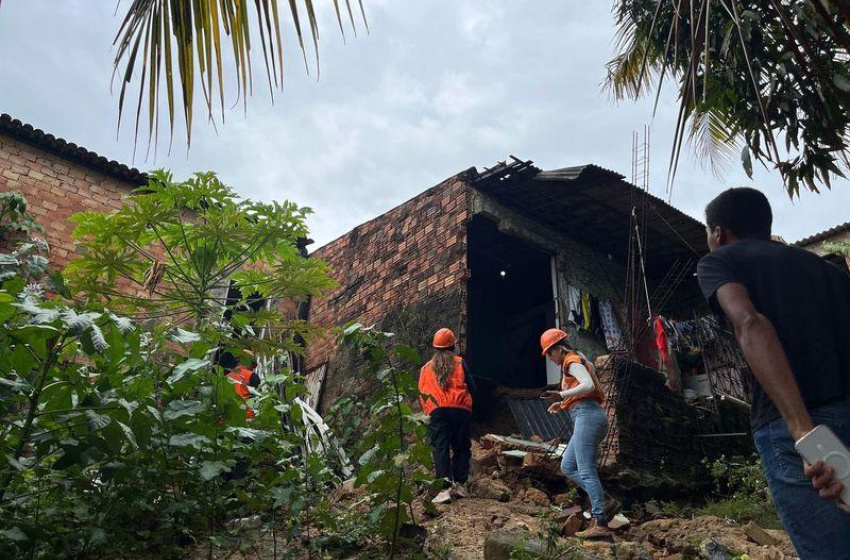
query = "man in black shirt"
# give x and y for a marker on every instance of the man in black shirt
(791, 314)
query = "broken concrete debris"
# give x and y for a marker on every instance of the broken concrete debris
(501, 545)
(531, 458)
(759, 535)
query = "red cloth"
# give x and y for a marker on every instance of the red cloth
(661, 340)
(242, 376)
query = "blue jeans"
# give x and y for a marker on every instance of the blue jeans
(818, 529)
(590, 425)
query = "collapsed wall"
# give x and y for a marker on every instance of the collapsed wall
(656, 436)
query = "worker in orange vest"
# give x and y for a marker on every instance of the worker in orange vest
(244, 379)
(445, 387)
(581, 396)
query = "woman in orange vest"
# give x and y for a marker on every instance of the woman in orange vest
(581, 396)
(445, 386)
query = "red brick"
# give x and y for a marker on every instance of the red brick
(56, 189)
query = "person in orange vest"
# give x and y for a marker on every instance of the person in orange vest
(244, 379)
(581, 397)
(445, 387)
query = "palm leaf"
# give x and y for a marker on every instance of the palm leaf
(696, 41)
(713, 143)
(188, 38)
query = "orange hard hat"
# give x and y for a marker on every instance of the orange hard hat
(550, 338)
(444, 338)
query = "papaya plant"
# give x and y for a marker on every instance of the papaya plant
(395, 457)
(120, 429)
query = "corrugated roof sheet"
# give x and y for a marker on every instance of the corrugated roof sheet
(594, 206)
(69, 151)
(822, 236)
(533, 419)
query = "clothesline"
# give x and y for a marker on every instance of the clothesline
(595, 315)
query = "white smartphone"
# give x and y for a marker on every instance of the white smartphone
(821, 444)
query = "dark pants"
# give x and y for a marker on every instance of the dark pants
(449, 428)
(818, 529)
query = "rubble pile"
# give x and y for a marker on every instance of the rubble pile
(513, 458)
(520, 503)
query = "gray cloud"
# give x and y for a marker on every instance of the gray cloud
(436, 87)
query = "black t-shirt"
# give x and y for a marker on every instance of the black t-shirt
(808, 302)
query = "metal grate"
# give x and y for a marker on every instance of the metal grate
(533, 418)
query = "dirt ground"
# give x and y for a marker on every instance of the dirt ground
(462, 527)
(458, 531)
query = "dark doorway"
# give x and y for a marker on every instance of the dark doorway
(235, 301)
(510, 304)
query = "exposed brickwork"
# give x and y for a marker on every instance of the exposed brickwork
(56, 189)
(413, 322)
(413, 253)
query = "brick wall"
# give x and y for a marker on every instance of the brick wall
(56, 188)
(405, 267)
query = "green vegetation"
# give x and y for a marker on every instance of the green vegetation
(14, 216)
(120, 430)
(767, 80)
(739, 492)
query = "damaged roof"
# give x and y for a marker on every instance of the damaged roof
(36, 137)
(594, 206)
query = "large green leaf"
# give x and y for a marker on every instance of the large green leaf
(14, 534)
(212, 469)
(7, 310)
(180, 409)
(181, 371)
(189, 440)
(97, 421)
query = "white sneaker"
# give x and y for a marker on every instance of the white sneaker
(444, 497)
(459, 490)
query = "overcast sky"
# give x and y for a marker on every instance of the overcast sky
(437, 87)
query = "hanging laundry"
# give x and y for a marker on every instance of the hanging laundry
(572, 300)
(614, 339)
(595, 318)
(585, 311)
(661, 340)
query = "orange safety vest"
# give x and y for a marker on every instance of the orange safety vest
(242, 376)
(568, 382)
(433, 396)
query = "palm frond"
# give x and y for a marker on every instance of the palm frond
(160, 38)
(771, 69)
(713, 142)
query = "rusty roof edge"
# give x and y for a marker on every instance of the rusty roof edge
(77, 154)
(814, 238)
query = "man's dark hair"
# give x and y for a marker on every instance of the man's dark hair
(743, 211)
